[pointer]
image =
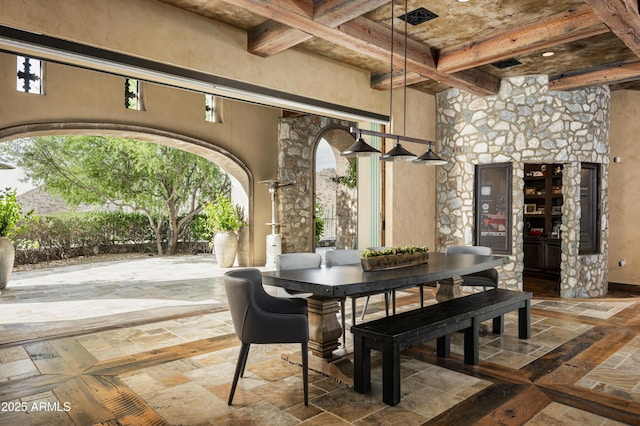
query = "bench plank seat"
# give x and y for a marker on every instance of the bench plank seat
(392, 335)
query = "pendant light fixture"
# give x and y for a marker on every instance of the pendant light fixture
(430, 158)
(398, 153)
(361, 149)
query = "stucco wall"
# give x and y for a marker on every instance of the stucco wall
(410, 188)
(85, 102)
(624, 180)
(160, 32)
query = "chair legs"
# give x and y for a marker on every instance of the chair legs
(305, 372)
(242, 362)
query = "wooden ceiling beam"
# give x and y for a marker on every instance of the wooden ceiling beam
(619, 73)
(372, 39)
(621, 16)
(272, 37)
(335, 12)
(574, 24)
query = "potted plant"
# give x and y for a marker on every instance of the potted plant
(223, 221)
(10, 215)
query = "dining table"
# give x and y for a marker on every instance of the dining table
(329, 285)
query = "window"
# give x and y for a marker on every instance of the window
(29, 75)
(212, 109)
(493, 207)
(589, 208)
(132, 98)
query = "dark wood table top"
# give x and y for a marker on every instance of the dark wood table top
(347, 280)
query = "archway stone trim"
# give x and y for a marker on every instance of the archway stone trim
(298, 138)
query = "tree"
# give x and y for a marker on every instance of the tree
(163, 183)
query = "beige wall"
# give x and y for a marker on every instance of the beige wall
(410, 199)
(86, 102)
(624, 187)
(156, 31)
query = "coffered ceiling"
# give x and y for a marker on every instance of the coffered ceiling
(468, 44)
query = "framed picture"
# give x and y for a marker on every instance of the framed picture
(485, 190)
(556, 210)
(529, 209)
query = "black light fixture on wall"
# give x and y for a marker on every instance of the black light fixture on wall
(360, 148)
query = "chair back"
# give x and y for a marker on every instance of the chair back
(342, 257)
(240, 289)
(290, 261)
(253, 310)
(479, 250)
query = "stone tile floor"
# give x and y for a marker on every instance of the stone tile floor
(150, 341)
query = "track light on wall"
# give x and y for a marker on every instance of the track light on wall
(360, 148)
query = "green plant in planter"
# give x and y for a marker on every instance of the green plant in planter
(223, 215)
(395, 250)
(10, 212)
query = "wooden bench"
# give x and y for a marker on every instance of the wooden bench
(392, 335)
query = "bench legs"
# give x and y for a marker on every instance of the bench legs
(361, 365)
(390, 374)
(524, 320)
(472, 343)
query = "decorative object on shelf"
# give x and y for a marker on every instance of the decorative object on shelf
(529, 209)
(391, 258)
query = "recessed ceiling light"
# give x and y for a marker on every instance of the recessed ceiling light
(462, 1)
(547, 54)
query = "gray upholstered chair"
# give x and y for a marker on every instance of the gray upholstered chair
(484, 279)
(350, 257)
(290, 261)
(261, 318)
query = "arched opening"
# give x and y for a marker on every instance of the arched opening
(336, 195)
(241, 179)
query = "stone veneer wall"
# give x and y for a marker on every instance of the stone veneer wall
(297, 141)
(525, 123)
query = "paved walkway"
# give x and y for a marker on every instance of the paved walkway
(90, 290)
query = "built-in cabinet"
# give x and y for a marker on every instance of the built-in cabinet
(542, 218)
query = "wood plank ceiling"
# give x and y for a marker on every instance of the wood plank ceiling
(470, 45)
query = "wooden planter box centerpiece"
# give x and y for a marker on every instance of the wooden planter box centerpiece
(390, 258)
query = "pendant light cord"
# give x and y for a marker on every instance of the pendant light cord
(404, 124)
(391, 72)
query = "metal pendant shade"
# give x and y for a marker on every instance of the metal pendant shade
(398, 153)
(430, 158)
(360, 149)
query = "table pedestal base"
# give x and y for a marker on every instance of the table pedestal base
(449, 289)
(340, 367)
(324, 328)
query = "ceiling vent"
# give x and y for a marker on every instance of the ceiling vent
(507, 63)
(418, 16)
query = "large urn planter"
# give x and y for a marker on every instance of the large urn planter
(225, 244)
(7, 256)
